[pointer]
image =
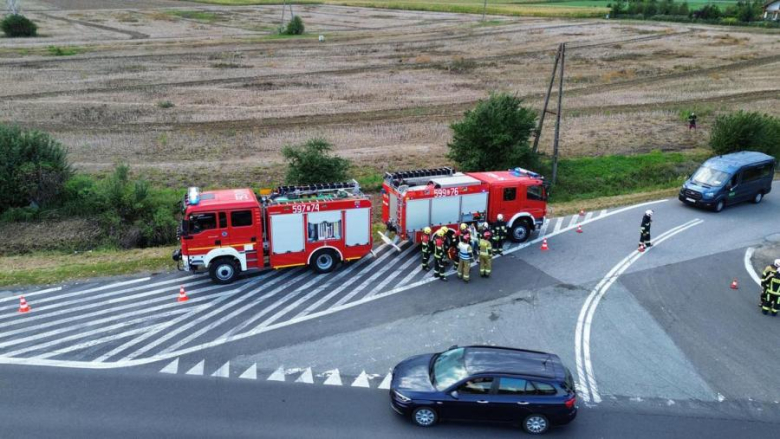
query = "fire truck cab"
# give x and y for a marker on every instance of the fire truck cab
(231, 231)
(412, 200)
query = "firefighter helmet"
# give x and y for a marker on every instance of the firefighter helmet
(445, 229)
(427, 230)
(777, 263)
(440, 232)
(649, 212)
(485, 226)
(487, 235)
(463, 226)
(500, 217)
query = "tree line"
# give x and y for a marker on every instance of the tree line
(741, 12)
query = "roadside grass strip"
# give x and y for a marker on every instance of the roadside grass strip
(586, 385)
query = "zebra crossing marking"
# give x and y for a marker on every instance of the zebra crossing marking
(558, 225)
(278, 375)
(197, 369)
(250, 373)
(172, 367)
(588, 216)
(223, 372)
(573, 221)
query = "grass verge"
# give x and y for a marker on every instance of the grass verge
(52, 267)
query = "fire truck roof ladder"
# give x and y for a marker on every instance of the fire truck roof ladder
(400, 177)
(318, 189)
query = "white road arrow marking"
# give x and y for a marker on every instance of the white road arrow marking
(251, 373)
(334, 378)
(197, 369)
(385, 384)
(306, 377)
(278, 375)
(172, 367)
(223, 372)
(361, 380)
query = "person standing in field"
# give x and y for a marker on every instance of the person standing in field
(692, 121)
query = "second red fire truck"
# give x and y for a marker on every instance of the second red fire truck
(413, 200)
(231, 231)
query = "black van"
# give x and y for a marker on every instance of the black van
(730, 179)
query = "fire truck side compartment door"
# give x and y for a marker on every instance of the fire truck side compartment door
(287, 233)
(418, 214)
(445, 210)
(358, 227)
(473, 203)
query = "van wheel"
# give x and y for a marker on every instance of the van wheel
(757, 199)
(224, 271)
(324, 261)
(520, 231)
(718, 207)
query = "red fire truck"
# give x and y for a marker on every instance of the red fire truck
(230, 231)
(412, 200)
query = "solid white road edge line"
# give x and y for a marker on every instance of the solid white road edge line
(587, 382)
(749, 266)
(297, 319)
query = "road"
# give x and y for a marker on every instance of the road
(659, 343)
(67, 403)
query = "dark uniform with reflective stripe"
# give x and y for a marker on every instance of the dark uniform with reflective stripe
(499, 235)
(644, 231)
(766, 278)
(425, 246)
(438, 259)
(772, 296)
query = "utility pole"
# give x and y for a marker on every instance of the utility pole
(538, 132)
(285, 5)
(13, 6)
(484, 7)
(558, 116)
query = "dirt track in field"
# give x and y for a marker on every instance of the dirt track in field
(383, 87)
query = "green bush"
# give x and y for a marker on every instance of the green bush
(494, 136)
(295, 26)
(33, 168)
(16, 25)
(746, 131)
(311, 163)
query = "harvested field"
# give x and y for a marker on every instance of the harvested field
(198, 94)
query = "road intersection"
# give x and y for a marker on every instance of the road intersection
(660, 330)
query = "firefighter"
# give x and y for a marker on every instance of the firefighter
(425, 246)
(499, 234)
(772, 296)
(644, 230)
(438, 258)
(464, 259)
(474, 239)
(485, 255)
(770, 272)
(692, 121)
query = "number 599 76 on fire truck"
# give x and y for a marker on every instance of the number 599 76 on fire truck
(230, 231)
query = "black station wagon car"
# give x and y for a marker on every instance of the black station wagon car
(485, 383)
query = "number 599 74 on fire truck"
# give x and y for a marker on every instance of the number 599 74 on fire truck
(231, 231)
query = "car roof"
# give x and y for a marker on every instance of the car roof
(733, 162)
(499, 360)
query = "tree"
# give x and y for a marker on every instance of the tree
(33, 168)
(15, 25)
(746, 131)
(312, 163)
(494, 135)
(295, 26)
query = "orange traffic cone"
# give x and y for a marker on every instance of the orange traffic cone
(579, 228)
(734, 285)
(582, 212)
(641, 248)
(23, 306)
(544, 245)
(182, 295)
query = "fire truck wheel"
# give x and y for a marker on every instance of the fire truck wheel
(324, 261)
(520, 231)
(223, 271)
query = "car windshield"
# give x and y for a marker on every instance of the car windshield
(448, 368)
(710, 177)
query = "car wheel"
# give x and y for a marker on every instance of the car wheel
(223, 271)
(324, 261)
(520, 231)
(719, 206)
(536, 424)
(757, 199)
(424, 416)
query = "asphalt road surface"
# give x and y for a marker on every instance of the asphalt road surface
(659, 344)
(66, 403)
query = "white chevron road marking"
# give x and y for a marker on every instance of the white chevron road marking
(172, 367)
(385, 384)
(197, 369)
(223, 372)
(278, 375)
(306, 377)
(251, 373)
(334, 378)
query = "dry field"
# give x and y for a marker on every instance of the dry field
(383, 87)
